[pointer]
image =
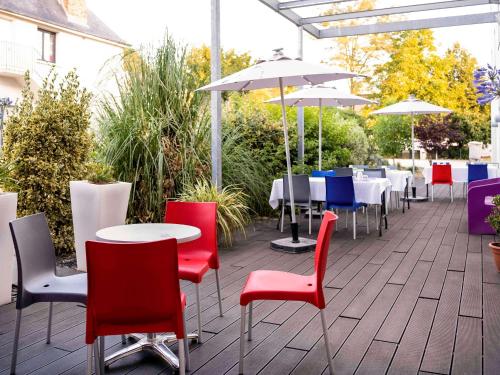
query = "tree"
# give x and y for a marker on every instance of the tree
(198, 60)
(47, 143)
(439, 133)
(358, 54)
(392, 135)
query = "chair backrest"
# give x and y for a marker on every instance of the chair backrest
(148, 303)
(340, 191)
(477, 172)
(301, 188)
(375, 172)
(441, 173)
(202, 215)
(323, 173)
(391, 167)
(321, 254)
(34, 252)
(343, 172)
(358, 166)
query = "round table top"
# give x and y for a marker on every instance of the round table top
(148, 232)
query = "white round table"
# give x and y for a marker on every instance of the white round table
(148, 232)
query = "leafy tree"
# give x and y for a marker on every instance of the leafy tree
(360, 53)
(198, 60)
(438, 133)
(47, 144)
(392, 135)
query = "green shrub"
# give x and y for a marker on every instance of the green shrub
(494, 217)
(156, 132)
(99, 173)
(47, 143)
(232, 211)
(7, 183)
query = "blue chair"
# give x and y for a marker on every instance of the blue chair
(323, 173)
(340, 196)
(477, 172)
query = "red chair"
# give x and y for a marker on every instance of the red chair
(441, 175)
(151, 302)
(276, 285)
(196, 257)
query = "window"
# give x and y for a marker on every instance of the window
(48, 45)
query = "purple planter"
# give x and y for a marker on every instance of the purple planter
(477, 209)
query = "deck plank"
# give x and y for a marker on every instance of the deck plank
(491, 328)
(468, 347)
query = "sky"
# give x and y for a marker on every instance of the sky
(249, 26)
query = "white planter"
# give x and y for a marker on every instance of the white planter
(95, 207)
(8, 207)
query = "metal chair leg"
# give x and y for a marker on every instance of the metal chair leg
(250, 311)
(242, 336)
(101, 354)
(310, 218)
(367, 221)
(97, 366)
(346, 218)
(186, 345)
(217, 281)
(198, 307)
(451, 193)
(327, 343)
(432, 193)
(49, 327)
(16, 342)
(182, 358)
(282, 215)
(376, 218)
(89, 359)
(354, 224)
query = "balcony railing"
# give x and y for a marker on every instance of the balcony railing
(16, 59)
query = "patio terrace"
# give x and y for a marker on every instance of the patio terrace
(424, 298)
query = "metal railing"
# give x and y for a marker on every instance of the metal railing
(16, 59)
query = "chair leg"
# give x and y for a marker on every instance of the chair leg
(182, 357)
(354, 224)
(367, 221)
(346, 218)
(96, 358)
(310, 218)
(282, 216)
(198, 307)
(89, 359)
(186, 345)
(376, 218)
(242, 338)
(327, 343)
(49, 327)
(124, 339)
(101, 354)
(250, 311)
(217, 281)
(16, 342)
(432, 193)
(451, 193)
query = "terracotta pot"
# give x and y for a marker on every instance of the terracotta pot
(495, 249)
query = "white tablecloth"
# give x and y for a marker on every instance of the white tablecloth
(398, 179)
(459, 173)
(367, 191)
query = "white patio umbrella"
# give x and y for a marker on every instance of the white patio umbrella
(281, 71)
(321, 96)
(412, 106)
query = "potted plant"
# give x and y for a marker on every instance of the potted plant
(8, 208)
(96, 203)
(494, 220)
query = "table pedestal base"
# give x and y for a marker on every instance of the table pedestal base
(152, 342)
(288, 246)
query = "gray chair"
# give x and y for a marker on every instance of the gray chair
(375, 172)
(302, 196)
(343, 172)
(36, 272)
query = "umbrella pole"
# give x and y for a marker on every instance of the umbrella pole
(295, 227)
(413, 148)
(320, 132)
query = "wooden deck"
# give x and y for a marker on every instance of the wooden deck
(424, 298)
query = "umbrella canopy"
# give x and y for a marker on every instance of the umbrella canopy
(321, 95)
(411, 106)
(280, 71)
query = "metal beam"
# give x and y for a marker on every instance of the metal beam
(307, 3)
(215, 96)
(396, 10)
(431, 23)
(291, 16)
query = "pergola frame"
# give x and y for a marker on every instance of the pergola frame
(287, 9)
